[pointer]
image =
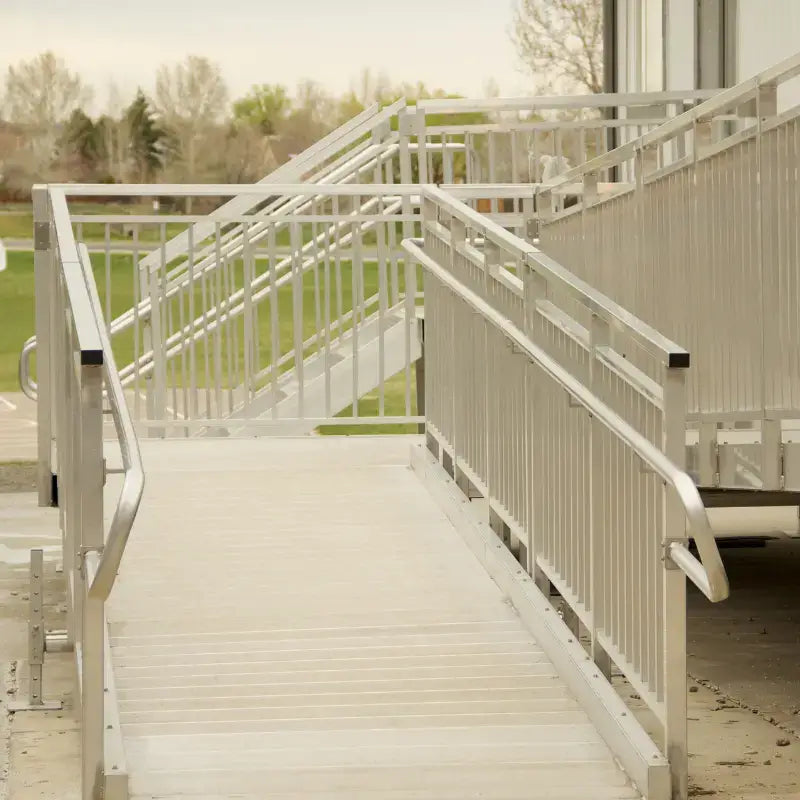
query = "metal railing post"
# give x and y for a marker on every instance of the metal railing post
(404, 157)
(535, 289)
(766, 106)
(154, 331)
(148, 343)
(419, 371)
(43, 268)
(422, 152)
(599, 334)
(63, 381)
(674, 600)
(90, 482)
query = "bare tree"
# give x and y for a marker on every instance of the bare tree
(192, 91)
(247, 155)
(370, 87)
(561, 43)
(40, 95)
(191, 97)
(113, 124)
(313, 114)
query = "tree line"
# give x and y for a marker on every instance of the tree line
(187, 130)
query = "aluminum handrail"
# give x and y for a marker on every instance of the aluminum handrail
(133, 483)
(293, 191)
(233, 306)
(722, 101)
(708, 574)
(309, 159)
(27, 384)
(85, 362)
(230, 189)
(233, 246)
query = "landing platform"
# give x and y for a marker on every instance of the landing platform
(298, 618)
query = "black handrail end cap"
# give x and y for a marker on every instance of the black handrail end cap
(679, 360)
(92, 358)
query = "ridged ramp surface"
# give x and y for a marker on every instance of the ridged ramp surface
(298, 618)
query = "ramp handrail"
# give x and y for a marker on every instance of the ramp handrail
(133, 483)
(708, 574)
(82, 362)
(27, 384)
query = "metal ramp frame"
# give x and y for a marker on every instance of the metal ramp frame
(573, 452)
(498, 314)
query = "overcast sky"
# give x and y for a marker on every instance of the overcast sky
(457, 45)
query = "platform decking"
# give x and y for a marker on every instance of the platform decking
(299, 618)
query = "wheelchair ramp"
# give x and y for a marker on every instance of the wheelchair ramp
(299, 618)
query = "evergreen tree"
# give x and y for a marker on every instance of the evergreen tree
(82, 146)
(147, 140)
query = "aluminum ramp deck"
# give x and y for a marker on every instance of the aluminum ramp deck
(299, 618)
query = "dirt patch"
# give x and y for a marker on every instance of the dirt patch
(17, 476)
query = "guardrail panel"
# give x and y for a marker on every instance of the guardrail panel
(583, 426)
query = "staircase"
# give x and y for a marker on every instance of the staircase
(329, 381)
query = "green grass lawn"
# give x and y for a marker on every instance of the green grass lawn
(117, 295)
(16, 315)
(18, 224)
